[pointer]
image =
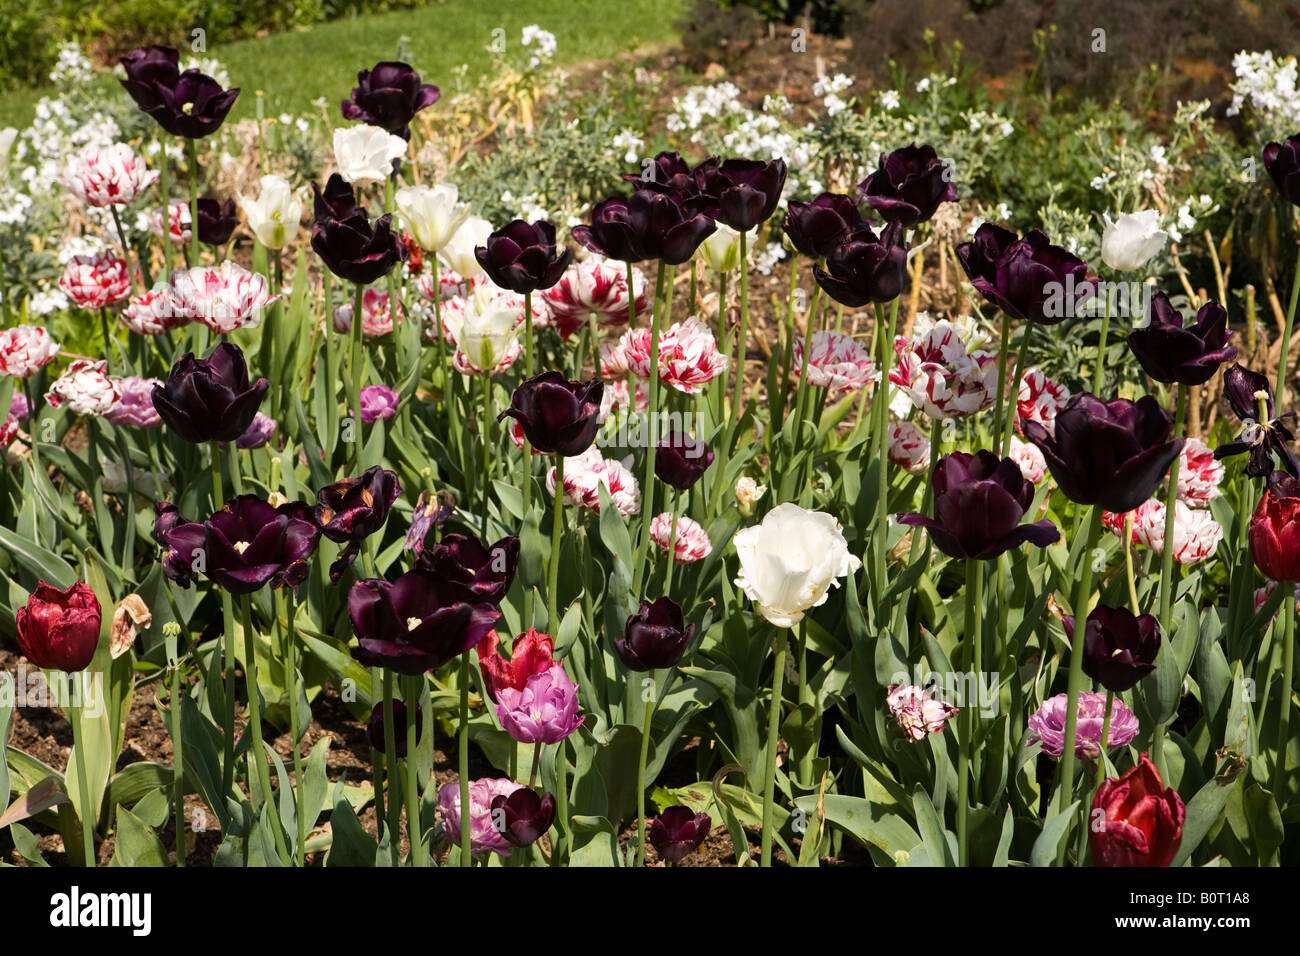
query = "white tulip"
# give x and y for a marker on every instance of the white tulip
(721, 250)
(458, 252)
(431, 213)
(486, 330)
(790, 561)
(274, 216)
(1128, 243)
(365, 154)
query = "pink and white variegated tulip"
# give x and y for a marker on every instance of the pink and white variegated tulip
(224, 298)
(85, 388)
(941, 378)
(1196, 534)
(178, 223)
(1266, 592)
(688, 357)
(615, 396)
(153, 312)
(631, 353)
(108, 176)
(95, 282)
(916, 712)
(835, 361)
(25, 350)
(594, 287)
(1030, 459)
(909, 447)
(376, 315)
(1039, 399)
(450, 285)
(8, 431)
(691, 543)
(584, 475)
(1199, 474)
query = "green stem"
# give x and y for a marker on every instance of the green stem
(742, 341)
(1105, 736)
(640, 773)
(1010, 424)
(391, 773)
(89, 813)
(257, 759)
(295, 682)
(1004, 339)
(769, 756)
(974, 586)
(192, 151)
(1288, 678)
(1065, 787)
(1285, 358)
(553, 569)
(178, 754)
(672, 543)
(414, 828)
(1167, 584)
(652, 420)
(1101, 348)
(355, 356)
(466, 857)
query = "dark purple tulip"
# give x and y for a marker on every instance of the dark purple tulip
(523, 257)
(416, 623)
(355, 251)
(866, 268)
(148, 68)
(246, 545)
(667, 173)
(1119, 649)
(217, 221)
(1029, 278)
(209, 399)
(375, 727)
(746, 190)
(1264, 438)
(681, 459)
(978, 503)
(656, 636)
(482, 572)
(648, 225)
(524, 815)
(1282, 160)
(337, 201)
(351, 510)
(1170, 353)
(558, 417)
(389, 96)
(816, 228)
(678, 832)
(1112, 454)
(909, 185)
(190, 104)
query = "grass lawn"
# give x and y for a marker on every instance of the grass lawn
(295, 68)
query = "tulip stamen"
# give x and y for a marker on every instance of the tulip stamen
(412, 623)
(241, 546)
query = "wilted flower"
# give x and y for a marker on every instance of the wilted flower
(85, 388)
(129, 616)
(276, 213)
(545, 711)
(109, 176)
(978, 503)
(866, 268)
(210, 399)
(1047, 726)
(558, 416)
(484, 835)
(59, 629)
(1132, 240)
(389, 96)
(135, 403)
(916, 712)
(365, 154)
(1168, 352)
(909, 184)
(1142, 822)
(1113, 454)
(941, 377)
(790, 561)
(352, 509)
(1262, 435)
(678, 832)
(691, 542)
(224, 298)
(93, 282)
(431, 510)
(25, 350)
(655, 637)
(523, 257)
(594, 288)
(908, 447)
(835, 361)
(416, 623)
(378, 401)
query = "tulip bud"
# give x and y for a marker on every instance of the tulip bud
(655, 636)
(678, 832)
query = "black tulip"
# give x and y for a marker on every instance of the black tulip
(678, 832)
(1119, 648)
(355, 250)
(1282, 160)
(681, 459)
(523, 257)
(217, 221)
(375, 728)
(1265, 434)
(909, 185)
(483, 572)
(866, 268)
(816, 228)
(206, 400)
(351, 510)
(656, 636)
(558, 417)
(1029, 278)
(524, 815)
(746, 191)
(389, 96)
(1171, 353)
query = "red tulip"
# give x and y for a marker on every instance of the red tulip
(1275, 529)
(59, 630)
(1141, 823)
(532, 654)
